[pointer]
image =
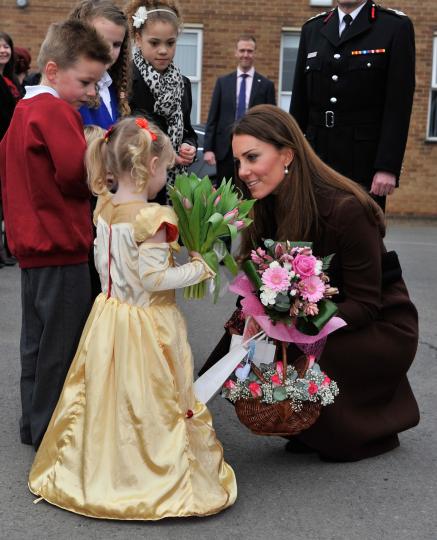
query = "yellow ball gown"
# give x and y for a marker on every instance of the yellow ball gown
(128, 439)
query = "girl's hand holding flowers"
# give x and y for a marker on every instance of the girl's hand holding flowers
(207, 217)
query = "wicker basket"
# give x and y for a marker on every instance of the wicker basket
(277, 418)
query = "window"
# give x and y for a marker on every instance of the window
(188, 58)
(289, 46)
(432, 116)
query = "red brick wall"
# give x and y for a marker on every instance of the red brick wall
(223, 20)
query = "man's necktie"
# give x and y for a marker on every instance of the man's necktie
(241, 103)
(347, 19)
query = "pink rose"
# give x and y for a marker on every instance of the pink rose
(304, 265)
(229, 384)
(280, 368)
(276, 380)
(326, 381)
(312, 388)
(255, 389)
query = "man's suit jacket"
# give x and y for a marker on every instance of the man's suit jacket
(221, 115)
(352, 95)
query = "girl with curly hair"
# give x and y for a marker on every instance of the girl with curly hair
(159, 91)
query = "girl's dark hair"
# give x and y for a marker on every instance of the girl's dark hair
(166, 5)
(295, 207)
(120, 72)
(9, 69)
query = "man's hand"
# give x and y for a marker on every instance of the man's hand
(383, 184)
(209, 157)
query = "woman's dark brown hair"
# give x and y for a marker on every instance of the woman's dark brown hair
(295, 208)
(120, 72)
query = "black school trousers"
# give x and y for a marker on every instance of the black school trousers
(56, 301)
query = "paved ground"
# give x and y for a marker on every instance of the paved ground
(281, 496)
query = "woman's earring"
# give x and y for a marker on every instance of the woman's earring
(286, 169)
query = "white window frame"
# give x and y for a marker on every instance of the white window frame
(284, 32)
(432, 89)
(198, 31)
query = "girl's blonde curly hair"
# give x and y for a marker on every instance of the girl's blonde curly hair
(127, 147)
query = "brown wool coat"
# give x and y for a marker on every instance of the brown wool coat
(369, 358)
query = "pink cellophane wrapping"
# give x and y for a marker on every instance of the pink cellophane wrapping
(252, 306)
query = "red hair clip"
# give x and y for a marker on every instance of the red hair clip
(144, 124)
(108, 134)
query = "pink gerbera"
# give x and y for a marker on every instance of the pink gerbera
(312, 289)
(276, 278)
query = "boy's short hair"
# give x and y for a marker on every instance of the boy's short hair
(67, 41)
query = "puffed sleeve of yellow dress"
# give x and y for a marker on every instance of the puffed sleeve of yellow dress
(156, 266)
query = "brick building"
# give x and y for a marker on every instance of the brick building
(205, 51)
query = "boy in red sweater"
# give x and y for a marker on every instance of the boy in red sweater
(47, 214)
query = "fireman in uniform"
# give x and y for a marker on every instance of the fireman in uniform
(353, 91)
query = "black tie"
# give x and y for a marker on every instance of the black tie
(347, 19)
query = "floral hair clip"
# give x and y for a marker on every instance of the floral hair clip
(144, 124)
(108, 134)
(141, 15)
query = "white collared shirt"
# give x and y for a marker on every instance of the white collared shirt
(249, 81)
(103, 85)
(341, 15)
(32, 91)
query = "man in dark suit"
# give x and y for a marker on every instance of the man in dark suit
(233, 95)
(353, 91)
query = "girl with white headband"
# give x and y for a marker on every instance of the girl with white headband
(159, 91)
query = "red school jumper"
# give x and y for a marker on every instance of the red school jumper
(45, 196)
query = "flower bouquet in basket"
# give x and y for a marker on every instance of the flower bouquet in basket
(207, 217)
(286, 290)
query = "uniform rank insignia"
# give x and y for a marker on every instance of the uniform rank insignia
(312, 54)
(368, 51)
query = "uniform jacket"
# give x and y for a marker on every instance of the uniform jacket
(142, 103)
(101, 116)
(223, 109)
(352, 95)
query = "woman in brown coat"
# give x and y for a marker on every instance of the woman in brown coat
(301, 198)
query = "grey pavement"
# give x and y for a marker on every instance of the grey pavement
(281, 496)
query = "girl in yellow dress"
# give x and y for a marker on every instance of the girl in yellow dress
(128, 439)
